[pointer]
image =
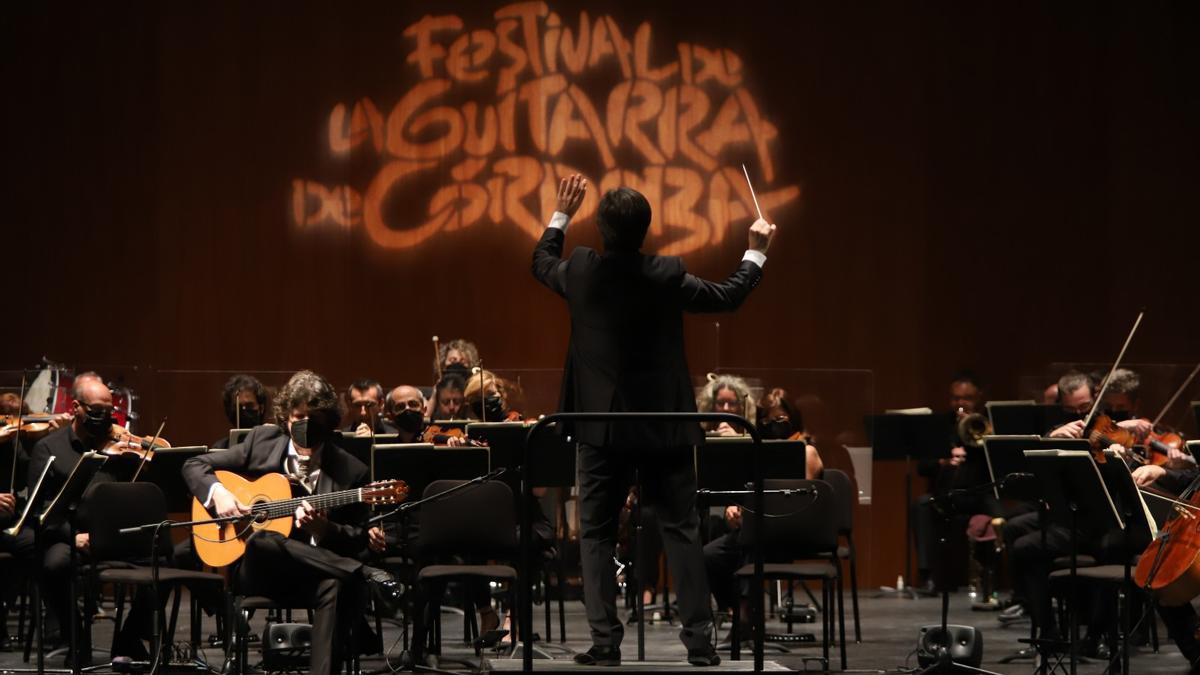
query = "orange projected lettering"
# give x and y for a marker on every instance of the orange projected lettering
(499, 114)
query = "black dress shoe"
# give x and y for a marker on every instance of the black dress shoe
(385, 590)
(704, 657)
(600, 656)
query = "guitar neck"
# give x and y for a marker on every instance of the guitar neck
(287, 507)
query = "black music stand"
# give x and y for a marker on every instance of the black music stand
(62, 510)
(1016, 418)
(166, 471)
(1005, 455)
(360, 446)
(1075, 492)
(238, 435)
(1140, 519)
(551, 463)
(721, 467)
(927, 436)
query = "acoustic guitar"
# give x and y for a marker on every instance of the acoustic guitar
(272, 507)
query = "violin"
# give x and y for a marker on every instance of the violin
(121, 442)
(32, 426)
(1159, 445)
(436, 432)
(1105, 432)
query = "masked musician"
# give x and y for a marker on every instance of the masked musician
(364, 404)
(244, 399)
(626, 354)
(489, 398)
(91, 429)
(776, 419)
(404, 413)
(456, 357)
(319, 564)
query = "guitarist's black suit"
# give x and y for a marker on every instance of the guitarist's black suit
(326, 574)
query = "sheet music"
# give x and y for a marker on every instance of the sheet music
(33, 493)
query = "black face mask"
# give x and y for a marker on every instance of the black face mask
(1120, 415)
(493, 408)
(777, 429)
(248, 417)
(98, 423)
(456, 369)
(308, 433)
(410, 421)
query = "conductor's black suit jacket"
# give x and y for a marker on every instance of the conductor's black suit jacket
(626, 348)
(263, 451)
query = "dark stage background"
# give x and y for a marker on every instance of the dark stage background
(994, 186)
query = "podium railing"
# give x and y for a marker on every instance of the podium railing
(525, 599)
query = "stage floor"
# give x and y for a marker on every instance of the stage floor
(889, 631)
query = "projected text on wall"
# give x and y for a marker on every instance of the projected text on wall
(500, 113)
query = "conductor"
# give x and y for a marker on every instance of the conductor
(626, 355)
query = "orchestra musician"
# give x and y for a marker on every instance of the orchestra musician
(776, 419)
(244, 399)
(1034, 544)
(90, 430)
(21, 544)
(364, 402)
(447, 400)
(319, 565)
(456, 357)
(626, 354)
(490, 398)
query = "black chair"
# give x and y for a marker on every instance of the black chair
(847, 496)
(113, 506)
(476, 523)
(798, 527)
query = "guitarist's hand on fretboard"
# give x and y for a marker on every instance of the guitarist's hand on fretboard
(311, 520)
(226, 505)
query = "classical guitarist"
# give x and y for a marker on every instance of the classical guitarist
(317, 563)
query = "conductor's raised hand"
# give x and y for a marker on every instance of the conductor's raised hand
(761, 234)
(570, 194)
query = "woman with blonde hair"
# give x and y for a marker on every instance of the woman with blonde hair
(726, 394)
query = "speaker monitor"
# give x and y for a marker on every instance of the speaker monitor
(966, 645)
(286, 646)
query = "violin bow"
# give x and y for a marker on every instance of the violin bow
(437, 359)
(482, 394)
(1178, 393)
(1087, 425)
(16, 439)
(146, 455)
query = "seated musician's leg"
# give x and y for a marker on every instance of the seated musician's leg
(55, 584)
(1033, 556)
(722, 557)
(1181, 624)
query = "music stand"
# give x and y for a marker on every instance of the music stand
(721, 464)
(551, 458)
(166, 471)
(419, 464)
(360, 446)
(909, 437)
(1005, 455)
(238, 435)
(1015, 418)
(61, 510)
(1074, 491)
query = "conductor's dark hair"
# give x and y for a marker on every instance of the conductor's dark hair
(236, 385)
(624, 218)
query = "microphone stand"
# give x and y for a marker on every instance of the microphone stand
(401, 511)
(944, 505)
(156, 531)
